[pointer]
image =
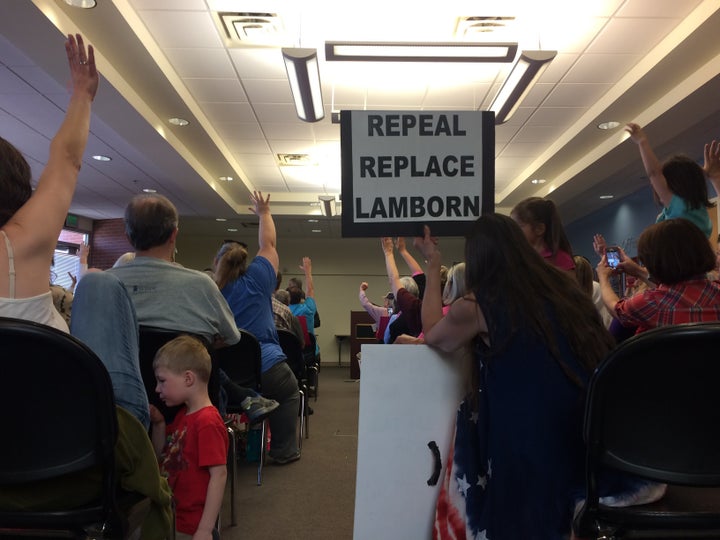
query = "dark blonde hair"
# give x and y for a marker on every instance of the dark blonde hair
(185, 353)
(231, 263)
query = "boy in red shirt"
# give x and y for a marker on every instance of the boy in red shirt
(193, 448)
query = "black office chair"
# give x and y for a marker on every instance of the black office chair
(59, 419)
(653, 410)
(242, 363)
(293, 350)
(312, 364)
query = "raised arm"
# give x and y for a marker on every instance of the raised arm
(712, 165)
(432, 300)
(376, 312)
(306, 267)
(45, 212)
(267, 236)
(414, 266)
(606, 291)
(390, 265)
(651, 163)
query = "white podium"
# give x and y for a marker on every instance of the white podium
(409, 395)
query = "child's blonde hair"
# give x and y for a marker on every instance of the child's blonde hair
(185, 353)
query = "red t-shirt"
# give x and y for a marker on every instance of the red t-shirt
(194, 442)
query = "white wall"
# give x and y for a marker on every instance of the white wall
(339, 266)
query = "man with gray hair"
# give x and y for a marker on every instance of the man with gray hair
(167, 295)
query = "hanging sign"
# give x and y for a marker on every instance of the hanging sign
(405, 169)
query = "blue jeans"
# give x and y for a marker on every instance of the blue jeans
(103, 317)
(279, 383)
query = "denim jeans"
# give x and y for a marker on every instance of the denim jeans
(103, 317)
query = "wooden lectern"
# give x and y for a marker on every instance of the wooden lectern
(361, 331)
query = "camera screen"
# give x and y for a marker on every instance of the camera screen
(613, 258)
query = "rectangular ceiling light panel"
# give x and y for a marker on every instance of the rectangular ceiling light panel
(366, 51)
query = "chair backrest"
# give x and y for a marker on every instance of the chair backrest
(151, 340)
(653, 406)
(58, 410)
(241, 362)
(293, 350)
(306, 332)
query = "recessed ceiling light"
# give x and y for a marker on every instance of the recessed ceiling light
(84, 4)
(607, 196)
(317, 230)
(220, 219)
(538, 180)
(100, 157)
(226, 178)
(232, 230)
(608, 125)
(313, 220)
(149, 190)
(178, 122)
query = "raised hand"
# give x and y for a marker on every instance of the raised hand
(259, 205)
(83, 71)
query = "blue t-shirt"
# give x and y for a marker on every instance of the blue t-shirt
(307, 309)
(249, 298)
(678, 208)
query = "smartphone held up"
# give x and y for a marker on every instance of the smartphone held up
(612, 254)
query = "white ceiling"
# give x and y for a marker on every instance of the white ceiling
(655, 62)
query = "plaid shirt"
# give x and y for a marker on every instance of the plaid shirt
(690, 301)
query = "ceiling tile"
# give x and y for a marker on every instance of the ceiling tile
(268, 90)
(182, 29)
(196, 5)
(278, 113)
(576, 95)
(290, 131)
(228, 112)
(215, 90)
(639, 35)
(601, 68)
(258, 63)
(201, 63)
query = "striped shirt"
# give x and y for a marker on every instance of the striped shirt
(696, 300)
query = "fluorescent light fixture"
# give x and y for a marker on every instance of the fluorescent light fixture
(327, 205)
(175, 121)
(304, 76)
(538, 180)
(607, 196)
(608, 125)
(525, 72)
(367, 51)
(100, 157)
(84, 4)
(225, 178)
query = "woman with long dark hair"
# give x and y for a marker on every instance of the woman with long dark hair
(518, 455)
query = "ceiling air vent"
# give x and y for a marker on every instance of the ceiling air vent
(477, 27)
(295, 160)
(251, 28)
